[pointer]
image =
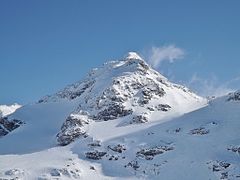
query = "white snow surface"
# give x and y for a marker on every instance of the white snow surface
(8, 109)
(191, 140)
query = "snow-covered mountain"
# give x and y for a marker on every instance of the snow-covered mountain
(7, 110)
(127, 91)
(123, 121)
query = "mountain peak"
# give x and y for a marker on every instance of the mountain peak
(133, 56)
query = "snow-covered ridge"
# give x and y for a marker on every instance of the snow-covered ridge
(7, 110)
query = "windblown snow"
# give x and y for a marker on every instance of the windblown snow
(124, 120)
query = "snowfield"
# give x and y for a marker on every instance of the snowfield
(123, 121)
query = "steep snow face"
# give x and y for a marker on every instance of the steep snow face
(6, 110)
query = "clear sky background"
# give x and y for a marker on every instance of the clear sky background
(47, 44)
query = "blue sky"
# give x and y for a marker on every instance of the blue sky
(45, 45)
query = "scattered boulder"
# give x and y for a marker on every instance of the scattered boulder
(199, 131)
(118, 148)
(95, 144)
(235, 149)
(113, 158)
(70, 173)
(221, 168)
(96, 155)
(92, 168)
(149, 153)
(163, 107)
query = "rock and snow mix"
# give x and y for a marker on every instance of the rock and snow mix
(123, 121)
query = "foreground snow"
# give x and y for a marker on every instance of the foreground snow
(197, 145)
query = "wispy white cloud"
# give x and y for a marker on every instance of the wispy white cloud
(169, 53)
(210, 86)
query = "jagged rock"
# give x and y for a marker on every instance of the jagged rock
(235, 149)
(234, 96)
(96, 155)
(7, 125)
(163, 107)
(118, 148)
(10, 125)
(113, 112)
(149, 91)
(73, 128)
(199, 131)
(149, 153)
(219, 166)
(139, 119)
(222, 168)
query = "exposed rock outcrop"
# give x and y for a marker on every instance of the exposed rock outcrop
(234, 96)
(7, 125)
(72, 128)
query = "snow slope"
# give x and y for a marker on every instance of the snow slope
(203, 144)
(124, 121)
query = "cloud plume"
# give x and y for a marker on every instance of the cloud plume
(168, 53)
